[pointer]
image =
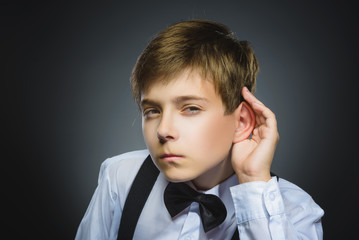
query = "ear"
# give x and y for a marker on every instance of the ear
(245, 122)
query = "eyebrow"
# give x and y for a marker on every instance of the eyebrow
(185, 98)
(177, 100)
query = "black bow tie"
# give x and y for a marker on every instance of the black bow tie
(179, 196)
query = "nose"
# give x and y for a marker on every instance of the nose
(166, 130)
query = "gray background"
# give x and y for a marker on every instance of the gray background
(67, 102)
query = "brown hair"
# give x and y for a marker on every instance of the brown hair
(202, 45)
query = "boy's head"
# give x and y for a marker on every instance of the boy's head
(201, 45)
(188, 84)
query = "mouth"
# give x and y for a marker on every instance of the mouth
(169, 157)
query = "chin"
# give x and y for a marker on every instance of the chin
(178, 177)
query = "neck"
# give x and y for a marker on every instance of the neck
(214, 176)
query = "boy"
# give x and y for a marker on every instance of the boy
(212, 142)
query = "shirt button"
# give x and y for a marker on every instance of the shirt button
(188, 238)
(272, 196)
(114, 195)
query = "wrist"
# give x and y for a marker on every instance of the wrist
(244, 178)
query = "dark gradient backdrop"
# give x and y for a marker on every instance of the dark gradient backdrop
(67, 104)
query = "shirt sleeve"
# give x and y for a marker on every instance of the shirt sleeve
(97, 219)
(276, 210)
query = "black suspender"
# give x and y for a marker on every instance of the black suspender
(137, 197)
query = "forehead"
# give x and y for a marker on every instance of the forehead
(188, 82)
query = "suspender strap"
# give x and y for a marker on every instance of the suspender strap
(136, 199)
(272, 174)
(235, 235)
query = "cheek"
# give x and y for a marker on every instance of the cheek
(149, 133)
(211, 136)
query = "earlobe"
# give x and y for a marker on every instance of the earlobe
(246, 122)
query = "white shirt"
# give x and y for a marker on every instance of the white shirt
(260, 210)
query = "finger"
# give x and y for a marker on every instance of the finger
(249, 97)
(266, 116)
(263, 114)
(256, 105)
(271, 120)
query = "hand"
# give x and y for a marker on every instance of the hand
(252, 158)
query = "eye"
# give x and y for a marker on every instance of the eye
(191, 110)
(150, 113)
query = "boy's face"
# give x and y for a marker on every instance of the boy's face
(186, 131)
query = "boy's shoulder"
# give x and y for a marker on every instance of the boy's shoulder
(128, 158)
(124, 167)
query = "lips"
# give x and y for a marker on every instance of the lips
(170, 157)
